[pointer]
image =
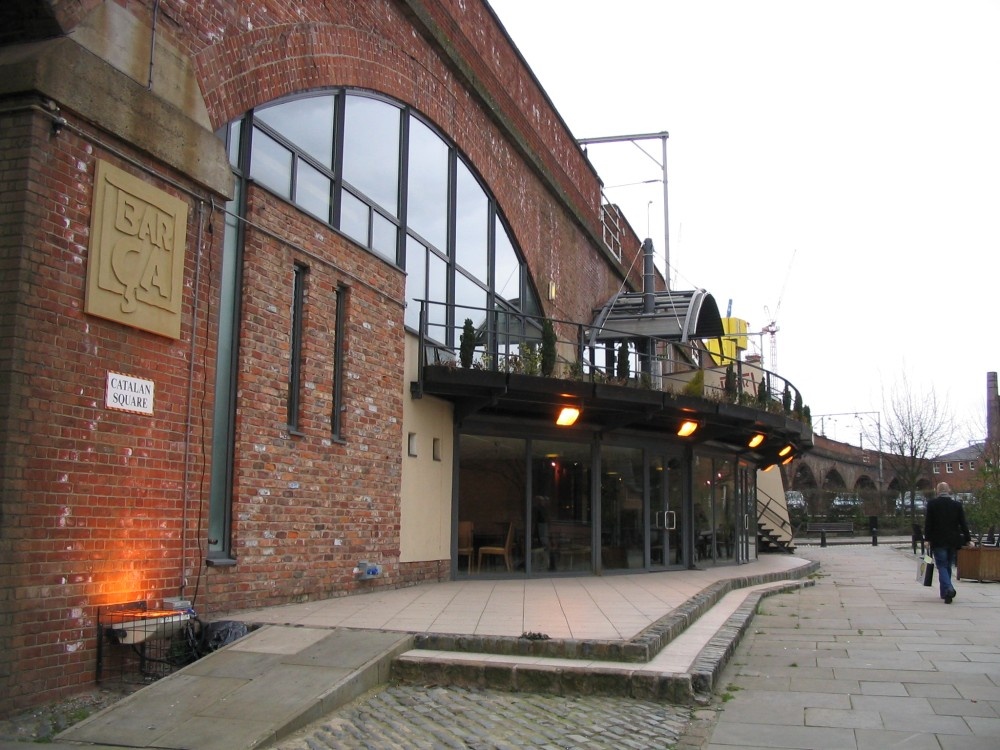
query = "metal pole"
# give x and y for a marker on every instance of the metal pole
(666, 216)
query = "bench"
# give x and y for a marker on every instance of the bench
(831, 527)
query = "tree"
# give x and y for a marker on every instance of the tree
(916, 428)
(762, 395)
(622, 368)
(730, 383)
(467, 344)
(696, 385)
(984, 512)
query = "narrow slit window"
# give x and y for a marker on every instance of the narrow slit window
(295, 368)
(339, 346)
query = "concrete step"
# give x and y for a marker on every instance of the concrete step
(682, 669)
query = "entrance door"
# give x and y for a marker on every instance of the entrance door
(665, 488)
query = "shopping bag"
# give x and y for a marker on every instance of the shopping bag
(925, 571)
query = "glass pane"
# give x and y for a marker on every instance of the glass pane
(312, 191)
(384, 237)
(529, 302)
(471, 224)
(468, 294)
(233, 147)
(427, 185)
(416, 280)
(305, 123)
(562, 522)
(622, 524)
(507, 268)
(371, 150)
(509, 331)
(726, 508)
(354, 217)
(437, 293)
(491, 479)
(704, 519)
(271, 164)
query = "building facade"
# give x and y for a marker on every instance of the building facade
(240, 247)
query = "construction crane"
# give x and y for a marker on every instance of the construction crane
(771, 327)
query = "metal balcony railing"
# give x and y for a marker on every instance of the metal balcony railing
(504, 340)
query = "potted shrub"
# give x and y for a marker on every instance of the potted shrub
(548, 363)
(467, 345)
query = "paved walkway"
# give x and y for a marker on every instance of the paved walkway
(307, 660)
(866, 658)
(612, 607)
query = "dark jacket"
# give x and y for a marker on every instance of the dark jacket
(944, 523)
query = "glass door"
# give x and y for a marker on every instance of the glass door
(665, 488)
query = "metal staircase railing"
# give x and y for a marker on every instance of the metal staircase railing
(769, 520)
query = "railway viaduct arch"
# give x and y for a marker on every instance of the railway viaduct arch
(833, 469)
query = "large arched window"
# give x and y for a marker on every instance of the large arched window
(377, 172)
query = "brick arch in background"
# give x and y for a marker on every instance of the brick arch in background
(857, 469)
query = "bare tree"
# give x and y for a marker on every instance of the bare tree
(917, 428)
(984, 510)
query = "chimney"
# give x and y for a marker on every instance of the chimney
(992, 409)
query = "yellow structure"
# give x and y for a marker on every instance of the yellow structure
(733, 344)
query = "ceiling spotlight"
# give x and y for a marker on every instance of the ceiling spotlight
(568, 416)
(756, 439)
(687, 428)
(785, 451)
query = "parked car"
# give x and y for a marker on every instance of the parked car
(903, 503)
(844, 507)
(795, 500)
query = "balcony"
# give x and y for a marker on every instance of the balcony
(618, 380)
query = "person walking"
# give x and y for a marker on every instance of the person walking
(945, 530)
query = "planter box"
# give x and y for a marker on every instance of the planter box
(979, 563)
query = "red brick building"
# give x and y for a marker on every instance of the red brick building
(238, 246)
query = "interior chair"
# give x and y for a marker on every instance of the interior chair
(465, 545)
(494, 551)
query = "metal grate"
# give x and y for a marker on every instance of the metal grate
(137, 644)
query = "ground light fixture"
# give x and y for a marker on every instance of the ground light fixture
(568, 416)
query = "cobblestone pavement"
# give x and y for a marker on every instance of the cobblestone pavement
(413, 717)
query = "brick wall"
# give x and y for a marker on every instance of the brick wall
(94, 499)
(294, 495)
(102, 507)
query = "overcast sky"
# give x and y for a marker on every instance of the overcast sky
(833, 167)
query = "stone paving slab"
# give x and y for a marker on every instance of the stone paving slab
(259, 688)
(916, 673)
